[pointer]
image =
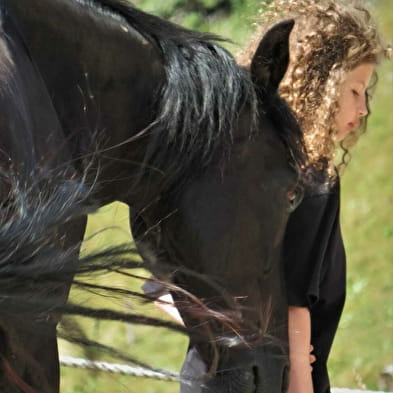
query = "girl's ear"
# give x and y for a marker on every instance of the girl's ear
(271, 59)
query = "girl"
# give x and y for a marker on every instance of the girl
(334, 51)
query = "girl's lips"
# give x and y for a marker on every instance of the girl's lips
(352, 126)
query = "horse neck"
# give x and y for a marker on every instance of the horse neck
(100, 72)
(31, 136)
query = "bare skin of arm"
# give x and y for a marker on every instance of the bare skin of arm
(299, 332)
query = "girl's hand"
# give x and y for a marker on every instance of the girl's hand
(312, 357)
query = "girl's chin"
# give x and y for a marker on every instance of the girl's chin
(343, 133)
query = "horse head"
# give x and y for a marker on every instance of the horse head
(226, 227)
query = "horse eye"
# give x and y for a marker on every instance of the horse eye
(295, 196)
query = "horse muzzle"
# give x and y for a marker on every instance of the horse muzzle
(263, 369)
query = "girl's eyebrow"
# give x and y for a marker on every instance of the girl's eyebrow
(360, 83)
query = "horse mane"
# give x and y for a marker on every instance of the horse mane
(200, 102)
(201, 98)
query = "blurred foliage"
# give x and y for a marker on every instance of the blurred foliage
(197, 14)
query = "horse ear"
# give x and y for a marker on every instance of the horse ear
(271, 59)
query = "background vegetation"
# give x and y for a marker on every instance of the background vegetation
(364, 342)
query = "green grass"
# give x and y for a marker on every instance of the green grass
(364, 341)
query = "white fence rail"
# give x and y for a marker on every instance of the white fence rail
(338, 390)
(68, 361)
(114, 368)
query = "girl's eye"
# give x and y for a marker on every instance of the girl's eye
(355, 93)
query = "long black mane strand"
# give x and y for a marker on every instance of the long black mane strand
(200, 101)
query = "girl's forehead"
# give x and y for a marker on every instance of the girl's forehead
(361, 74)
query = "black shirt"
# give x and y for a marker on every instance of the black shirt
(315, 269)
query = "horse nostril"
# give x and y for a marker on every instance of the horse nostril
(285, 379)
(256, 378)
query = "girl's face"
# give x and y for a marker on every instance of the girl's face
(352, 102)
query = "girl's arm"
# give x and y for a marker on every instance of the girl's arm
(299, 332)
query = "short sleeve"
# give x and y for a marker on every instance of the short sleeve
(308, 241)
(153, 287)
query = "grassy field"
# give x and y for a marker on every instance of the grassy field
(364, 343)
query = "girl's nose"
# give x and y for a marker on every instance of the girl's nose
(363, 110)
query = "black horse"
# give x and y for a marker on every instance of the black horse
(161, 118)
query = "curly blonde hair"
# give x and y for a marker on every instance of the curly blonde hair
(330, 38)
